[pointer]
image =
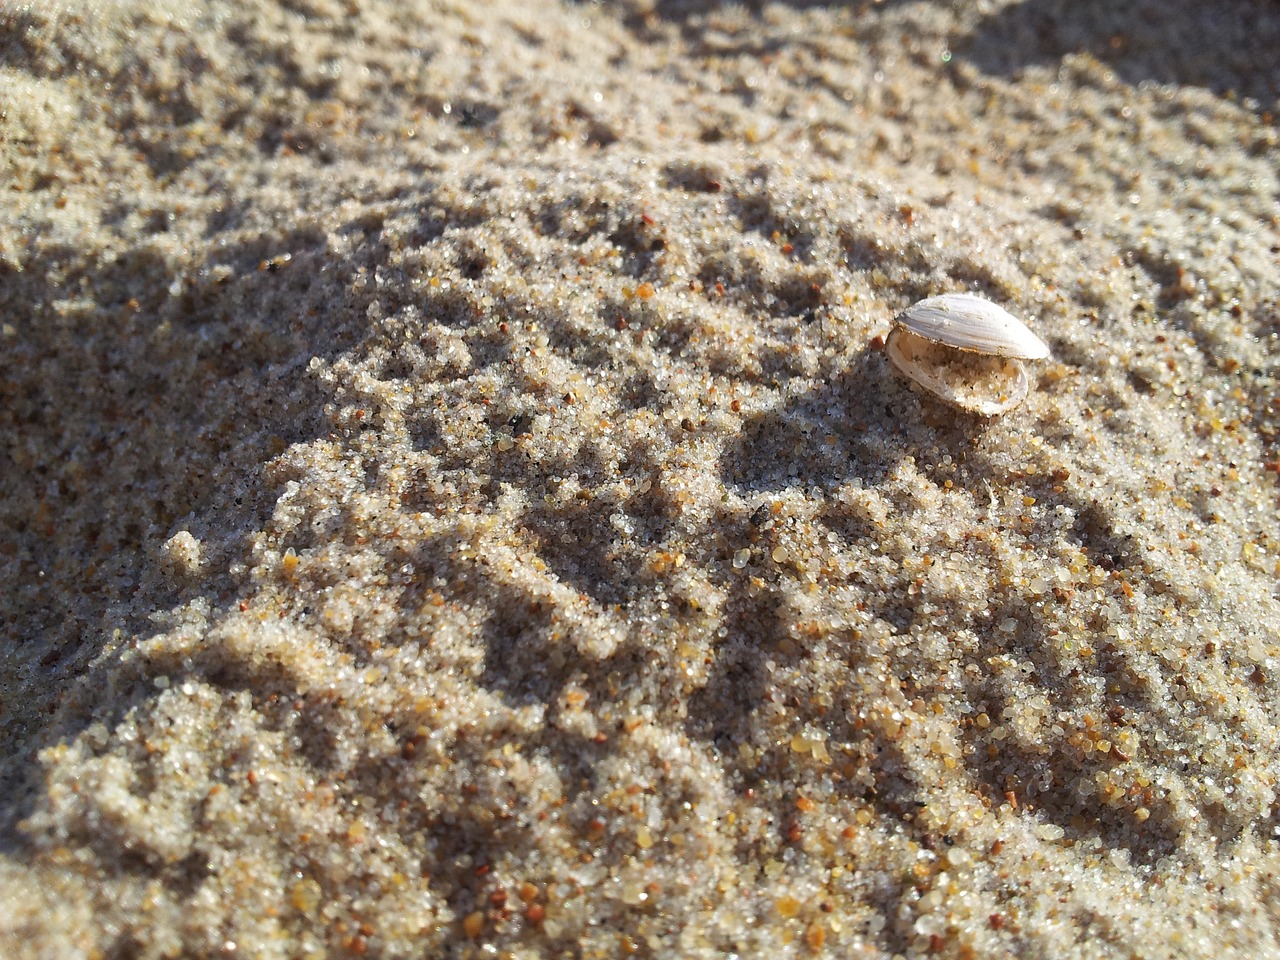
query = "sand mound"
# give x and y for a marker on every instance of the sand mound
(457, 504)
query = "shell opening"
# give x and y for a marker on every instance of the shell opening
(980, 383)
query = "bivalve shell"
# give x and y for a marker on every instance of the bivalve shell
(965, 350)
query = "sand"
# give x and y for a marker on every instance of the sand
(455, 501)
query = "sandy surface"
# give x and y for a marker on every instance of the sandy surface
(454, 501)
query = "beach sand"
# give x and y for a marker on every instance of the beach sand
(454, 500)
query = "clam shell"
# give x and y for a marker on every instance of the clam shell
(966, 351)
(967, 322)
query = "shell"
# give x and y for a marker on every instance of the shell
(966, 351)
(969, 323)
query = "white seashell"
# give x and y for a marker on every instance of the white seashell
(966, 351)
